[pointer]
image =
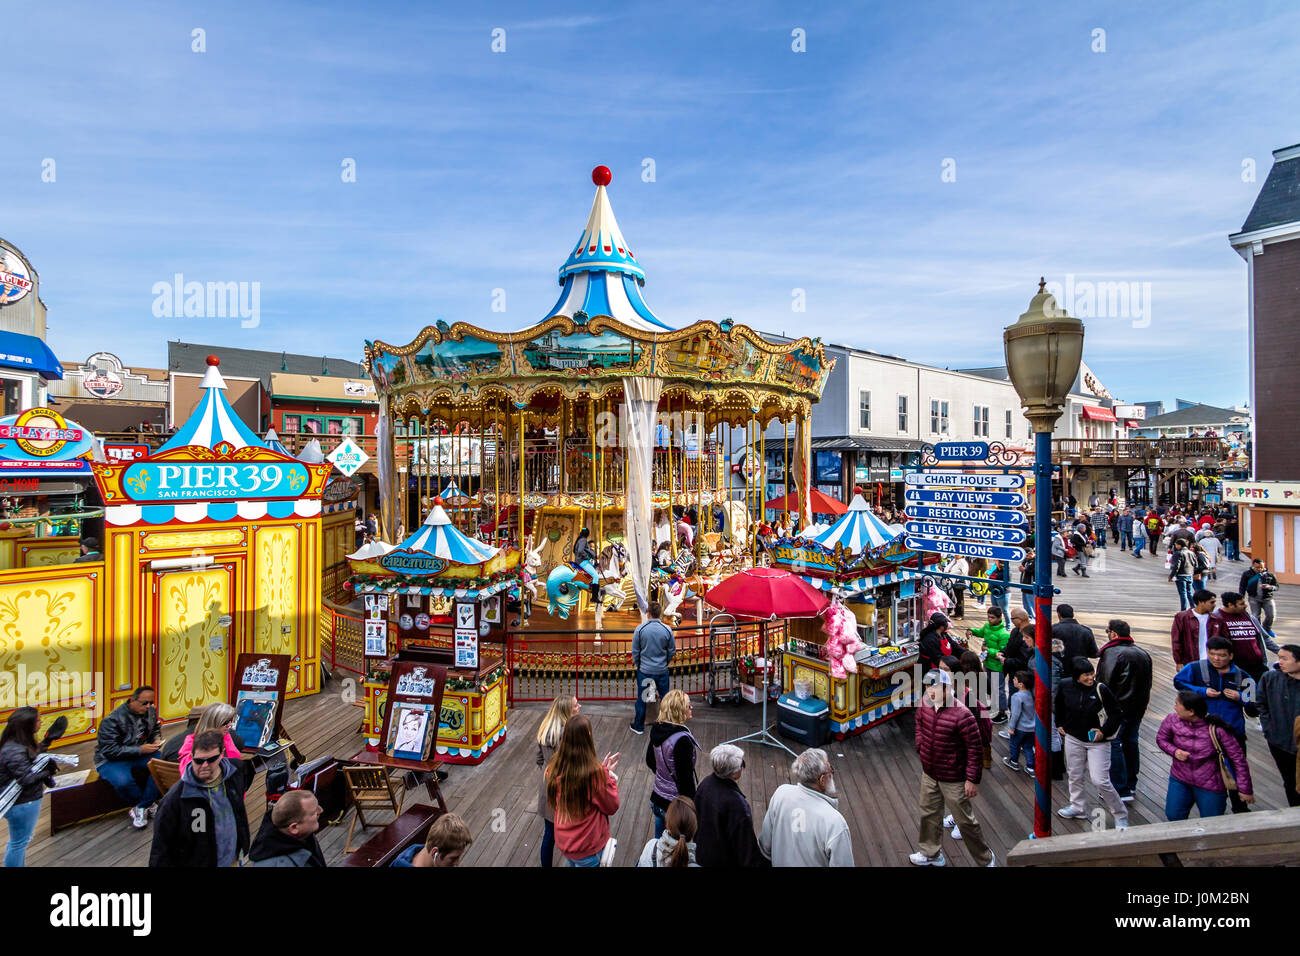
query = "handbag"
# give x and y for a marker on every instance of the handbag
(1229, 781)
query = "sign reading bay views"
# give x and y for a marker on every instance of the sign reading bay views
(987, 499)
(959, 479)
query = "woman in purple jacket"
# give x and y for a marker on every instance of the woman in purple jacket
(1188, 735)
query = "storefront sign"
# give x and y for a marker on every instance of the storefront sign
(340, 489)
(412, 562)
(15, 277)
(114, 452)
(102, 383)
(153, 481)
(895, 474)
(15, 486)
(1263, 492)
(42, 440)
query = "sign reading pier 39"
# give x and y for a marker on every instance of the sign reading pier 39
(203, 474)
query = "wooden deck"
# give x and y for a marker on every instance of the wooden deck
(877, 772)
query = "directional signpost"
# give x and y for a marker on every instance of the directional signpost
(972, 513)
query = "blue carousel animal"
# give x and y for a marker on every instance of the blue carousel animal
(566, 582)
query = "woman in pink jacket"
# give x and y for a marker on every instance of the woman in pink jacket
(582, 793)
(1189, 735)
(220, 717)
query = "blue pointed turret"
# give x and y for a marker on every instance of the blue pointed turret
(214, 422)
(601, 275)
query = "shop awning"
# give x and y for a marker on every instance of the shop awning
(28, 353)
(1098, 414)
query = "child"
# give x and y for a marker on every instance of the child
(1022, 722)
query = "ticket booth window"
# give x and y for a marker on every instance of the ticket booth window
(11, 397)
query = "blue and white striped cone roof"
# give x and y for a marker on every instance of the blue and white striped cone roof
(214, 421)
(858, 530)
(439, 537)
(272, 442)
(451, 491)
(601, 275)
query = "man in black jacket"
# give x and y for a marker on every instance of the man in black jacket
(202, 821)
(127, 740)
(1259, 584)
(1077, 638)
(1087, 716)
(1126, 670)
(725, 836)
(288, 833)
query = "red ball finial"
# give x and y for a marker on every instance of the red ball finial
(601, 176)
(437, 500)
(213, 360)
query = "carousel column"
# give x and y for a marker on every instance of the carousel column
(803, 477)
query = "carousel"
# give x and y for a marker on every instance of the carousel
(601, 443)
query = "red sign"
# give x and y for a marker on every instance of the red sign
(15, 485)
(117, 453)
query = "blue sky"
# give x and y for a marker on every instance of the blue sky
(774, 170)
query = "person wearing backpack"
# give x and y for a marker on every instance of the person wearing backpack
(1154, 525)
(1229, 691)
(670, 754)
(1208, 763)
(1087, 716)
(1181, 567)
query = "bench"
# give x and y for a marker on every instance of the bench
(87, 801)
(410, 827)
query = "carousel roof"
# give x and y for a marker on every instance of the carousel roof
(439, 537)
(214, 421)
(452, 490)
(272, 442)
(601, 275)
(858, 530)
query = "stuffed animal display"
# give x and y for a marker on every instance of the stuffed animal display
(841, 629)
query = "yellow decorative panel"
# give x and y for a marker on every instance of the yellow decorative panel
(492, 709)
(123, 628)
(193, 661)
(193, 539)
(275, 572)
(45, 556)
(47, 633)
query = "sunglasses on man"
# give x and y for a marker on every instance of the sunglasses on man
(204, 761)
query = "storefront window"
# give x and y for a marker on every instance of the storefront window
(10, 396)
(292, 423)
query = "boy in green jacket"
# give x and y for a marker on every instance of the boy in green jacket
(995, 636)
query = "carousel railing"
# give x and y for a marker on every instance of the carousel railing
(597, 665)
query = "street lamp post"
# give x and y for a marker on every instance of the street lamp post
(1044, 350)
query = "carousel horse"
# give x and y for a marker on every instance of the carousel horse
(532, 561)
(566, 582)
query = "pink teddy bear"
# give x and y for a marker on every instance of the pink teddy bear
(841, 627)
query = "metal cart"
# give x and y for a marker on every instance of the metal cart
(722, 674)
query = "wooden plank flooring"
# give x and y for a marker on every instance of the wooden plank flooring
(877, 772)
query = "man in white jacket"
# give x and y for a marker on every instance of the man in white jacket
(803, 826)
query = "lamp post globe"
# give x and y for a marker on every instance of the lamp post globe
(1044, 350)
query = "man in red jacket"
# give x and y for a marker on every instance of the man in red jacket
(952, 760)
(1192, 628)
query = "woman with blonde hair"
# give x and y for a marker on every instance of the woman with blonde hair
(677, 845)
(221, 718)
(671, 755)
(548, 739)
(582, 793)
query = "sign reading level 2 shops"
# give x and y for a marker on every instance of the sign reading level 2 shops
(971, 549)
(970, 532)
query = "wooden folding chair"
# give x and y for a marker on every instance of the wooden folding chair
(371, 788)
(166, 774)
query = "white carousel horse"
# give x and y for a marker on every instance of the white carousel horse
(532, 561)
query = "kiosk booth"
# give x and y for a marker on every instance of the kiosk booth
(440, 597)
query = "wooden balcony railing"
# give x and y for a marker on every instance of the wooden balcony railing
(1138, 450)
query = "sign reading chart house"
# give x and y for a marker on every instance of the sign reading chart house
(958, 479)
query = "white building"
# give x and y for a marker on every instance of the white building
(26, 362)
